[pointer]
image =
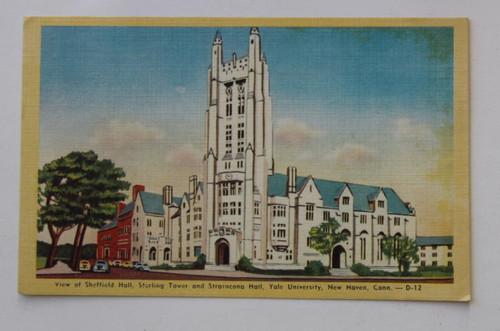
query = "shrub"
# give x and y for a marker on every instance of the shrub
(361, 269)
(244, 264)
(440, 268)
(316, 268)
(200, 262)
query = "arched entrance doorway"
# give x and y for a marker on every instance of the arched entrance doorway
(338, 257)
(221, 252)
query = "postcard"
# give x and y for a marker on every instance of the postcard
(245, 157)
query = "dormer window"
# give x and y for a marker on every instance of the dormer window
(345, 200)
(380, 204)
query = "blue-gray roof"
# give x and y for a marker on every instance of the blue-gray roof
(330, 190)
(177, 200)
(152, 203)
(110, 225)
(128, 208)
(429, 241)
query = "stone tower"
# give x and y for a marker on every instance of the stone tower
(239, 154)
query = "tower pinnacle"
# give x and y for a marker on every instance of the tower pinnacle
(254, 30)
(218, 38)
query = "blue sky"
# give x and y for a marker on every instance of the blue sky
(374, 103)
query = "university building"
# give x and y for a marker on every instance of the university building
(244, 207)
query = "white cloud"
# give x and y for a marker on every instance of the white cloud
(180, 89)
(118, 134)
(184, 156)
(405, 129)
(292, 132)
(352, 154)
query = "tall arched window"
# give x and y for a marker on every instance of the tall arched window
(166, 254)
(152, 254)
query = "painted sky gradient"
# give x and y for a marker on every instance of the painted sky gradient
(364, 105)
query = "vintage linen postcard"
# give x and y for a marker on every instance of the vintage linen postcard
(267, 158)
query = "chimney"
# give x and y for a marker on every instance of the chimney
(291, 172)
(119, 208)
(168, 193)
(193, 182)
(136, 189)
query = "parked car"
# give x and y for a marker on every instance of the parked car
(126, 264)
(116, 263)
(84, 265)
(141, 266)
(101, 266)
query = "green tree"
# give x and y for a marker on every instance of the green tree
(78, 190)
(326, 236)
(402, 249)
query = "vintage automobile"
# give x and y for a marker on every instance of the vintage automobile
(126, 264)
(141, 266)
(100, 266)
(84, 265)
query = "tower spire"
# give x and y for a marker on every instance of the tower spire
(218, 38)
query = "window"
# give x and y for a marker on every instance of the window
(188, 218)
(308, 242)
(362, 219)
(363, 248)
(422, 254)
(229, 133)
(434, 254)
(449, 246)
(241, 146)
(380, 220)
(241, 130)
(149, 222)
(309, 211)
(188, 251)
(450, 254)
(326, 216)
(197, 250)
(397, 221)
(380, 204)
(232, 210)
(224, 208)
(345, 200)
(239, 164)
(345, 217)
(450, 264)
(256, 208)
(434, 247)
(281, 233)
(422, 263)
(241, 99)
(380, 245)
(188, 234)
(434, 263)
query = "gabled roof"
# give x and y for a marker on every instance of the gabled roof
(109, 226)
(330, 190)
(152, 203)
(128, 208)
(429, 241)
(177, 200)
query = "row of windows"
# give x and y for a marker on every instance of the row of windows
(434, 247)
(124, 230)
(230, 188)
(450, 254)
(106, 238)
(434, 263)
(229, 208)
(279, 211)
(279, 233)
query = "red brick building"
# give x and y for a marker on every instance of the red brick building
(114, 240)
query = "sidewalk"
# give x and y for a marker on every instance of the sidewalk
(59, 269)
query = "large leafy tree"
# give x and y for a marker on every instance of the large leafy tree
(402, 249)
(325, 237)
(78, 190)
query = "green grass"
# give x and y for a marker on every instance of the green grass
(40, 262)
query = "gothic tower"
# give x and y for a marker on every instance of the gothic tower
(239, 154)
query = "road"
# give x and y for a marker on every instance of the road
(119, 273)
